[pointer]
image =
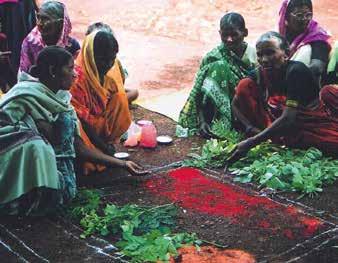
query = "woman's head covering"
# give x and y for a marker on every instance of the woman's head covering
(55, 10)
(312, 33)
(34, 43)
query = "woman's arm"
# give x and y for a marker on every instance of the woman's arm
(278, 128)
(249, 128)
(205, 114)
(97, 140)
(99, 157)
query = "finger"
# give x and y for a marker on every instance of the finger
(137, 166)
(234, 157)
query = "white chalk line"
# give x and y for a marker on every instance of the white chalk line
(13, 252)
(23, 244)
(302, 244)
(97, 249)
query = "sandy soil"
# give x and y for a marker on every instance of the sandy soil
(162, 41)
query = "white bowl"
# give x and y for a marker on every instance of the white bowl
(164, 139)
(121, 155)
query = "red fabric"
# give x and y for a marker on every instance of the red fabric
(314, 128)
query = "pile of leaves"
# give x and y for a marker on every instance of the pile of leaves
(288, 170)
(269, 165)
(215, 151)
(144, 232)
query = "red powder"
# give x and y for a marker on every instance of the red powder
(264, 224)
(194, 191)
(208, 196)
(288, 233)
(311, 225)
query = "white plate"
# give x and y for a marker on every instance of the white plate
(164, 139)
(121, 155)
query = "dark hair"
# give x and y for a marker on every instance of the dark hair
(100, 27)
(298, 3)
(54, 56)
(54, 9)
(104, 41)
(232, 19)
(283, 43)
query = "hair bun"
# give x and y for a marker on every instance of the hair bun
(34, 71)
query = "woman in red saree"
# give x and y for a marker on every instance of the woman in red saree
(282, 102)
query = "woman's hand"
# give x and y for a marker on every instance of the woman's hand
(241, 150)
(206, 132)
(135, 169)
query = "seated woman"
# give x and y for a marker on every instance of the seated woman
(53, 28)
(100, 103)
(307, 118)
(218, 75)
(308, 41)
(39, 138)
(117, 72)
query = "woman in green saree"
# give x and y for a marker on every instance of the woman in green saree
(220, 71)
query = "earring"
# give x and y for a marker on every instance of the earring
(53, 76)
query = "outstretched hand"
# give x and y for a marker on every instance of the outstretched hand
(240, 151)
(135, 169)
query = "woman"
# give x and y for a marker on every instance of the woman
(117, 72)
(18, 19)
(53, 28)
(39, 130)
(304, 119)
(219, 73)
(308, 41)
(100, 103)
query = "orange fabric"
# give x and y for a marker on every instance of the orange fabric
(104, 107)
(208, 254)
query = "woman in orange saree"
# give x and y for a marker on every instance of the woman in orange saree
(100, 101)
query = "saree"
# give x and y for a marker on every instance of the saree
(313, 33)
(316, 127)
(215, 83)
(104, 107)
(34, 43)
(35, 175)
